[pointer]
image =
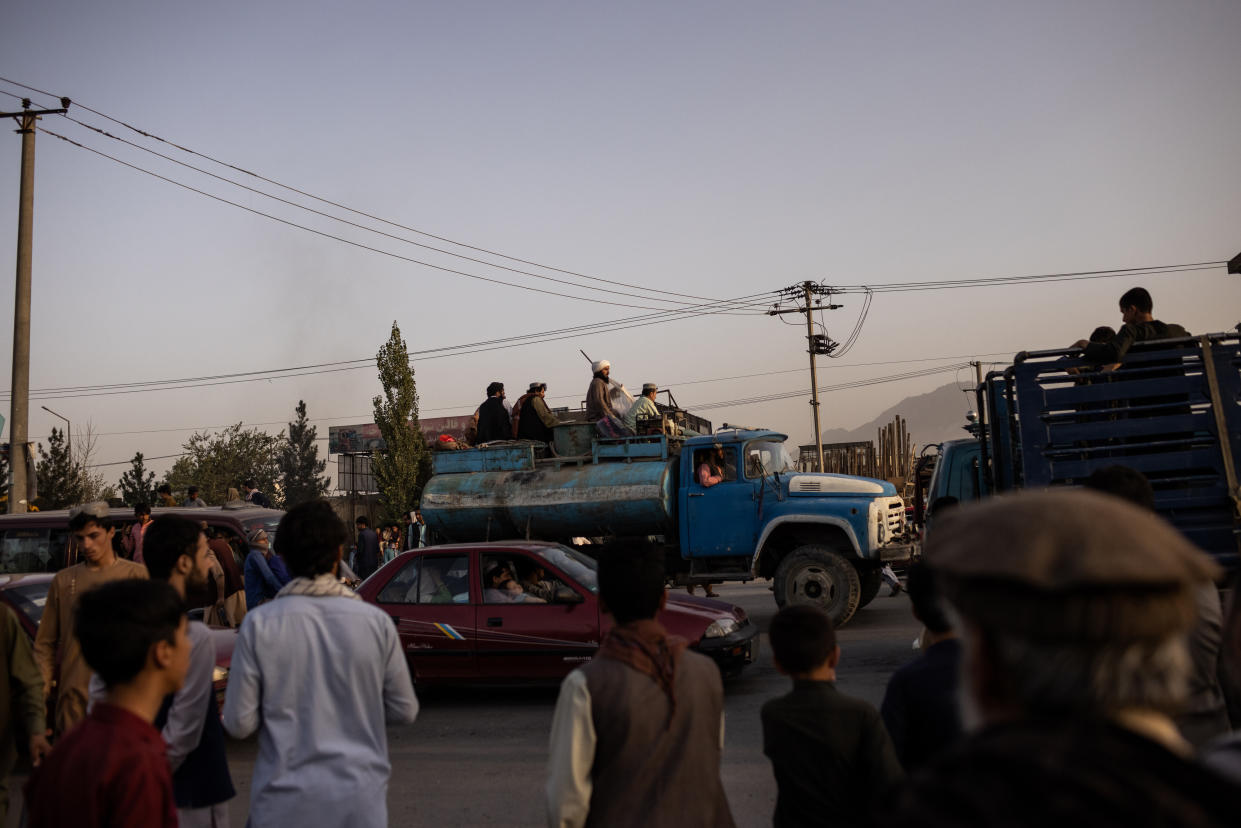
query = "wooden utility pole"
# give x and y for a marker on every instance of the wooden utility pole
(816, 344)
(19, 448)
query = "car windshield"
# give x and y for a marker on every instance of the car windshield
(29, 599)
(268, 525)
(577, 566)
(767, 457)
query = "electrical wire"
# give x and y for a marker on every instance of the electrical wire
(454, 271)
(784, 395)
(676, 303)
(289, 188)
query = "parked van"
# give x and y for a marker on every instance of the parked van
(41, 541)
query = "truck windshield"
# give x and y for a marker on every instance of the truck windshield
(767, 457)
(577, 566)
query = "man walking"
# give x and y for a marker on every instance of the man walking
(177, 553)
(317, 672)
(368, 556)
(55, 645)
(638, 732)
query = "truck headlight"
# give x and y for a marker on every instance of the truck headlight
(721, 628)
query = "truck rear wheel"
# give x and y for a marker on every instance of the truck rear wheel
(871, 580)
(819, 576)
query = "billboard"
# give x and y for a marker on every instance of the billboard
(365, 438)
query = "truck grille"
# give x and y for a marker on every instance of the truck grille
(896, 517)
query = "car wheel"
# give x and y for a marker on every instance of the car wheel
(871, 580)
(819, 576)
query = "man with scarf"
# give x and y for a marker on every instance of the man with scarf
(317, 672)
(638, 732)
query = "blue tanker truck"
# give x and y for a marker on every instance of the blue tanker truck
(821, 538)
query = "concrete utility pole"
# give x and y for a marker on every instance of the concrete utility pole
(19, 451)
(817, 344)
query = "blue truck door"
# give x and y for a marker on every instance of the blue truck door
(720, 519)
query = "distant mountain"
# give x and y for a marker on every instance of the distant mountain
(931, 418)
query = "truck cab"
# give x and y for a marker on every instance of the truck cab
(822, 538)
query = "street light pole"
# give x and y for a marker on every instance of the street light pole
(68, 430)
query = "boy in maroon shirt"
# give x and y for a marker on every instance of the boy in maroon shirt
(112, 769)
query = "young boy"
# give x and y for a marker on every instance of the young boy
(831, 754)
(111, 770)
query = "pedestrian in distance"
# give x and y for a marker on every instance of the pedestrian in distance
(111, 771)
(1074, 610)
(192, 499)
(494, 422)
(638, 732)
(830, 753)
(56, 647)
(164, 492)
(368, 555)
(21, 702)
(920, 705)
(177, 553)
(265, 573)
(254, 496)
(133, 537)
(317, 672)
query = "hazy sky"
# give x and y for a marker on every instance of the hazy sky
(713, 149)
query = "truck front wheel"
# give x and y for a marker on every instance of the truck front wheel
(822, 577)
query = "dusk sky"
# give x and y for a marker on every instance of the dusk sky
(713, 150)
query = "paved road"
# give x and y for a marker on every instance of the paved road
(478, 757)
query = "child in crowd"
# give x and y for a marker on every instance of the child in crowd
(831, 755)
(111, 769)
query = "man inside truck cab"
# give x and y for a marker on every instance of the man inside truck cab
(1136, 306)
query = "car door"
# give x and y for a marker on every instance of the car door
(535, 638)
(721, 517)
(429, 600)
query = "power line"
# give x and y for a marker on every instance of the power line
(352, 243)
(785, 395)
(674, 302)
(994, 281)
(273, 182)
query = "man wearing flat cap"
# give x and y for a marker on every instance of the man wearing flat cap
(532, 419)
(1074, 608)
(644, 406)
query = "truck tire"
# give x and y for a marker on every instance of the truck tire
(871, 581)
(819, 576)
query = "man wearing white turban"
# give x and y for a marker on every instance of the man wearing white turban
(598, 402)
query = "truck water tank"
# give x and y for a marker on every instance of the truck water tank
(548, 503)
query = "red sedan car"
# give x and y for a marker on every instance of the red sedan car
(454, 630)
(26, 595)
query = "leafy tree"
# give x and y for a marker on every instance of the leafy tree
(301, 470)
(216, 463)
(59, 478)
(402, 470)
(138, 485)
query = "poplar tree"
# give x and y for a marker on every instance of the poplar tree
(404, 468)
(301, 470)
